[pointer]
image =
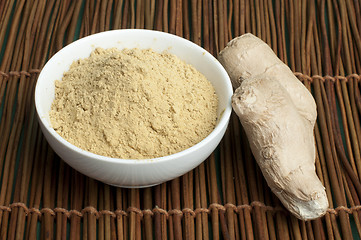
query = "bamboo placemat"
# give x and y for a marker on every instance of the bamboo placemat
(226, 196)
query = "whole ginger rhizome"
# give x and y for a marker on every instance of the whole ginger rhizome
(278, 114)
(133, 104)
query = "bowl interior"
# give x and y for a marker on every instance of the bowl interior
(158, 41)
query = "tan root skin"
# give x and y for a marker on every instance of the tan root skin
(278, 114)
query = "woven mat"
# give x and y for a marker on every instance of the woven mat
(226, 196)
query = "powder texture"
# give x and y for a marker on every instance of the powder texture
(133, 104)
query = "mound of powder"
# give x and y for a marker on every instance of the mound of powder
(133, 104)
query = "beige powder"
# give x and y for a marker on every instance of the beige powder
(133, 104)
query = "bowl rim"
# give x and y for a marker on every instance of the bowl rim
(221, 123)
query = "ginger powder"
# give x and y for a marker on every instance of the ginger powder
(133, 104)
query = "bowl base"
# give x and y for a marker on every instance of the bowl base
(141, 186)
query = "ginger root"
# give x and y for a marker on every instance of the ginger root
(278, 114)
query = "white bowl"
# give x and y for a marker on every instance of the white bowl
(131, 172)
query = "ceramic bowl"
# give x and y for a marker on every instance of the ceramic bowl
(131, 172)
